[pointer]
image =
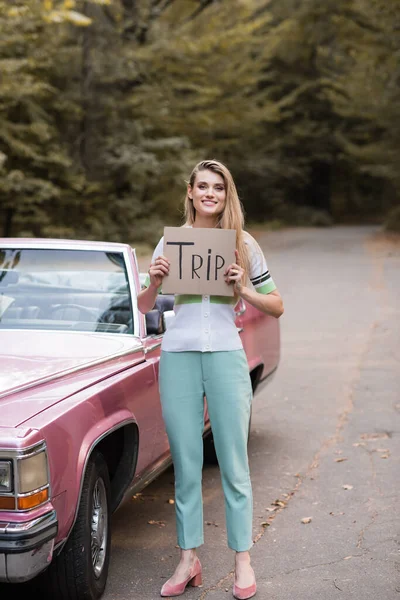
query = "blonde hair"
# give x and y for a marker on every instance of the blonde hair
(232, 216)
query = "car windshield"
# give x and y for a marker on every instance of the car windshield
(77, 290)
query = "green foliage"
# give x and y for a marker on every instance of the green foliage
(34, 170)
(290, 95)
(105, 106)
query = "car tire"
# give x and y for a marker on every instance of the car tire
(80, 571)
(210, 454)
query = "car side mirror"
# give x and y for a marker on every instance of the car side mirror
(167, 318)
(154, 323)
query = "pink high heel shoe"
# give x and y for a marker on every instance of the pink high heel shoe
(244, 593)
(194, 580)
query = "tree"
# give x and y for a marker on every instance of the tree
(277, 97)
(33, 165)
(106, 105)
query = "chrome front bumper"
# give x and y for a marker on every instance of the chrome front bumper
(26, 548)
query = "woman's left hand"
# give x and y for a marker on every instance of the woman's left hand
(234, 274)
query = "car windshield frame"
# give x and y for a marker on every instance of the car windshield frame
(131, 289)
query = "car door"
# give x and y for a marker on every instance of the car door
(260, 335)
(145, 398)
(153, 352)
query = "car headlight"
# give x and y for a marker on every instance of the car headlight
(24, 478)
(6, 482)
(32, 473)
(33, 481)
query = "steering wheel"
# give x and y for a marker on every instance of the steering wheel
(86, 313)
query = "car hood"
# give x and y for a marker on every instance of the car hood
(38, 369)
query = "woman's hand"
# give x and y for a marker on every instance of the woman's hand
(146, 298)
(234, 274)
(158, 269)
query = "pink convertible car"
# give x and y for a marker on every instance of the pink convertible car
(80, 417)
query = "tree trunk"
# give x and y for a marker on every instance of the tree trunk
(7, 227)
(319, 192)
(85, 94)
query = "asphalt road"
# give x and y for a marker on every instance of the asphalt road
(325, 441)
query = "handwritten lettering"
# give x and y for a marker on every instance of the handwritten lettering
(195, 269)
(197, 262)
(217, 267)
(208, 264)
(180, 244)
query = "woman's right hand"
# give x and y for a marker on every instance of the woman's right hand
(158, 269)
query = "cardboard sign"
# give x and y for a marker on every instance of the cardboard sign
(198, 258)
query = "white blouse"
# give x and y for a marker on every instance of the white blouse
(207, 323)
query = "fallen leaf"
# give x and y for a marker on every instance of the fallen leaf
(374, 436)
(384, 455)
(359, 444)
(385, 450)
(265, 524)
(306, 520)
(347, 487)
(341, 459)
(159, 523)
(170, 501)
(280, 503)
(347, 557)
(273, 509)
(212, 523)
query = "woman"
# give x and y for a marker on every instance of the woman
(202, 355)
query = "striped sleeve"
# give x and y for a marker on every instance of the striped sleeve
(259, 275)
(157, 252)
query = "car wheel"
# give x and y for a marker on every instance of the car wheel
(210, 454)
(80, 571)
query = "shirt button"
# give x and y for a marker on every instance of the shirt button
(205, 297)
(207, 347)
(206, 315)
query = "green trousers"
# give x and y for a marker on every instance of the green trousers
(223, 377)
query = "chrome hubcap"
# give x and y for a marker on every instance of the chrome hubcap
(99, 527)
